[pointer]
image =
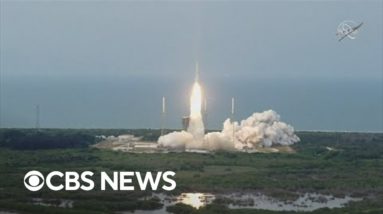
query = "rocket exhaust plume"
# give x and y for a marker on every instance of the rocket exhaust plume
(196, 127)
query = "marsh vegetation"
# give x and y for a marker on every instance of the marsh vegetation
(338, 164)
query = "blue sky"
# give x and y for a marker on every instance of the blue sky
(107, 64)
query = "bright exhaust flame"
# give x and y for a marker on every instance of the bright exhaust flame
(196, 127)
(196, 101)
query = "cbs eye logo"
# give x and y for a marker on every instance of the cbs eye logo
(34, 180)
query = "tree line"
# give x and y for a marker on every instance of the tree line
(40, 139)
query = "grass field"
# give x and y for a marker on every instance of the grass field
(329, 163)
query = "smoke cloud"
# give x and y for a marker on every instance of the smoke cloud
(260, 130)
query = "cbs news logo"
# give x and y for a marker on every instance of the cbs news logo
(35, 180)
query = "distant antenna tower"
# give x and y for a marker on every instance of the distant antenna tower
(205, 113)
(37, 117)
(0, 100)
(232, 115)
(163, 114)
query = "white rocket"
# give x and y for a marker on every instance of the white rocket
(196, 72)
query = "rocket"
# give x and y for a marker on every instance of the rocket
(196, 72)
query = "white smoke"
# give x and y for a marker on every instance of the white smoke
(176, 140)
(259, 130)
